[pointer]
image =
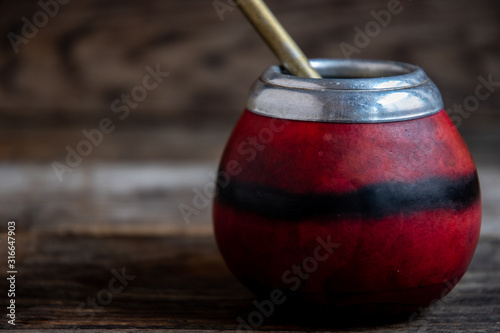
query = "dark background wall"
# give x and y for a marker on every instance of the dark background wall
(65, 77)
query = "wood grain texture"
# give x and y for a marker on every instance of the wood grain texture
(181, 283)
(110, 198)
(65, 78)
(91, 51)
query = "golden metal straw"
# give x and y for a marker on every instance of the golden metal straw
(285, 48)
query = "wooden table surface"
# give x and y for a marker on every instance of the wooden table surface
(180, 283)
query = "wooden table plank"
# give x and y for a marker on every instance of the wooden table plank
(108, 198)
(181, 283)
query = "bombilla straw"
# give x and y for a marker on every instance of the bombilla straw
(285, 48)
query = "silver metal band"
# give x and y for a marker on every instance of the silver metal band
(351, 91)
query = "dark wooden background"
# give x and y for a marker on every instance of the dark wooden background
(65, 79)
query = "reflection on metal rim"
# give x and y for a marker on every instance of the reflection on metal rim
(351, 91)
